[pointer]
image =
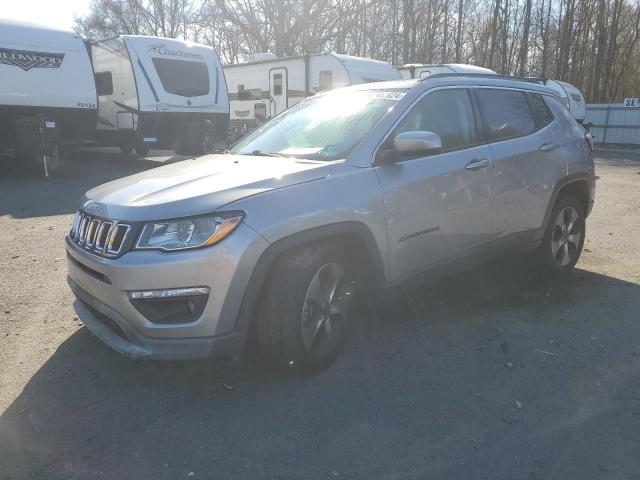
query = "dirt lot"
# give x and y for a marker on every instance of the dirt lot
(495, 374)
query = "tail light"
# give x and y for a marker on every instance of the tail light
(589, 138)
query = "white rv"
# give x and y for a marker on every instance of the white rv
(268, 85)
(421, 70)
(571, 97)
(158, 91)
(146, 91)
(46, 80)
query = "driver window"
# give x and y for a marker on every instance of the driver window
(446, 112)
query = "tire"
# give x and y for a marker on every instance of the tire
(560, 250)
(300, 326)
(127, 145)
(142, 149)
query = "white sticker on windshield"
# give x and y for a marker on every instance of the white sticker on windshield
(386, 95)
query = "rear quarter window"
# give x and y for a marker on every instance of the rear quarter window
(506, 113)
(541, 113)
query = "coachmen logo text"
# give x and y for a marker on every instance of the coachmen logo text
(28, 60)
(164, 50)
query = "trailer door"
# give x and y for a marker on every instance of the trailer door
(115, 85)
(278, 90)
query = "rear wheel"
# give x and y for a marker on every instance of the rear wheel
(305, 310)
(142, 149)
(564, 237)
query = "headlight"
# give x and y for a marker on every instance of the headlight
(192, 232)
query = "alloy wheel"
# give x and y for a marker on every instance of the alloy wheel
(566, 236)
(324, 312)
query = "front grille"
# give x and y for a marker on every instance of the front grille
(103, 237)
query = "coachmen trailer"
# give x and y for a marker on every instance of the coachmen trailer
(159, 92)
(421, 70)
(261, 89)
(47, 91)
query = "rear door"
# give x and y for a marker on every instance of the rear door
(278, 89)
(438, 206)
(528, 160)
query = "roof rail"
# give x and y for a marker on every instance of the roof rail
(538, 80)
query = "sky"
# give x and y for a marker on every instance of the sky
(58, 13)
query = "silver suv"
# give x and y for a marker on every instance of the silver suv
(361, 187)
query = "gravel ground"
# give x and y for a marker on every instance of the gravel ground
(495, 374)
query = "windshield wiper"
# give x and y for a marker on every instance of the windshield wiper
(259, 153)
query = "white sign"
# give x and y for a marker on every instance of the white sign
(631, 102)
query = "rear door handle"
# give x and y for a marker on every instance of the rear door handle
(546, 147)
(477, 164)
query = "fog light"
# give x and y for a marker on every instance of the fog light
(179, 305)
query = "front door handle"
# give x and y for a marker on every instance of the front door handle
(546, 147)
(477, 164)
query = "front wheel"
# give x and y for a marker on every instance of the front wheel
(564, 236)
(306, 308)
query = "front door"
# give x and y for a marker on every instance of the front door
(278, 90)
(438, 207)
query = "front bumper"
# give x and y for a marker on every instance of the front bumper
(102, 289)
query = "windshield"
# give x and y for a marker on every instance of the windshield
(327, 127)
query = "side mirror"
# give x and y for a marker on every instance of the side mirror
(416, 143)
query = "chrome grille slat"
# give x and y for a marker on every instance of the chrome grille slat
(115, 242)
(102, 237)
(92, 230)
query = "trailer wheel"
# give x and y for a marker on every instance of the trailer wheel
(127, 145)
(142, 149)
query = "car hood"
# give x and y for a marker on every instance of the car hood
(197, 186)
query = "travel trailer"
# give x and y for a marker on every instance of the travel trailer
(570, 96)
(262, 88)
(146, 91)
(158, 92)
(421, 70)
(47, 91)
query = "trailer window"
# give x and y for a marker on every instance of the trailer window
(277, 84)
(183, 77)
(326, 80)
(104, 83)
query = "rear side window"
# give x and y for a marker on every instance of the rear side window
(446, 112)
(541, 113)
(506, 113)
(183, 77)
